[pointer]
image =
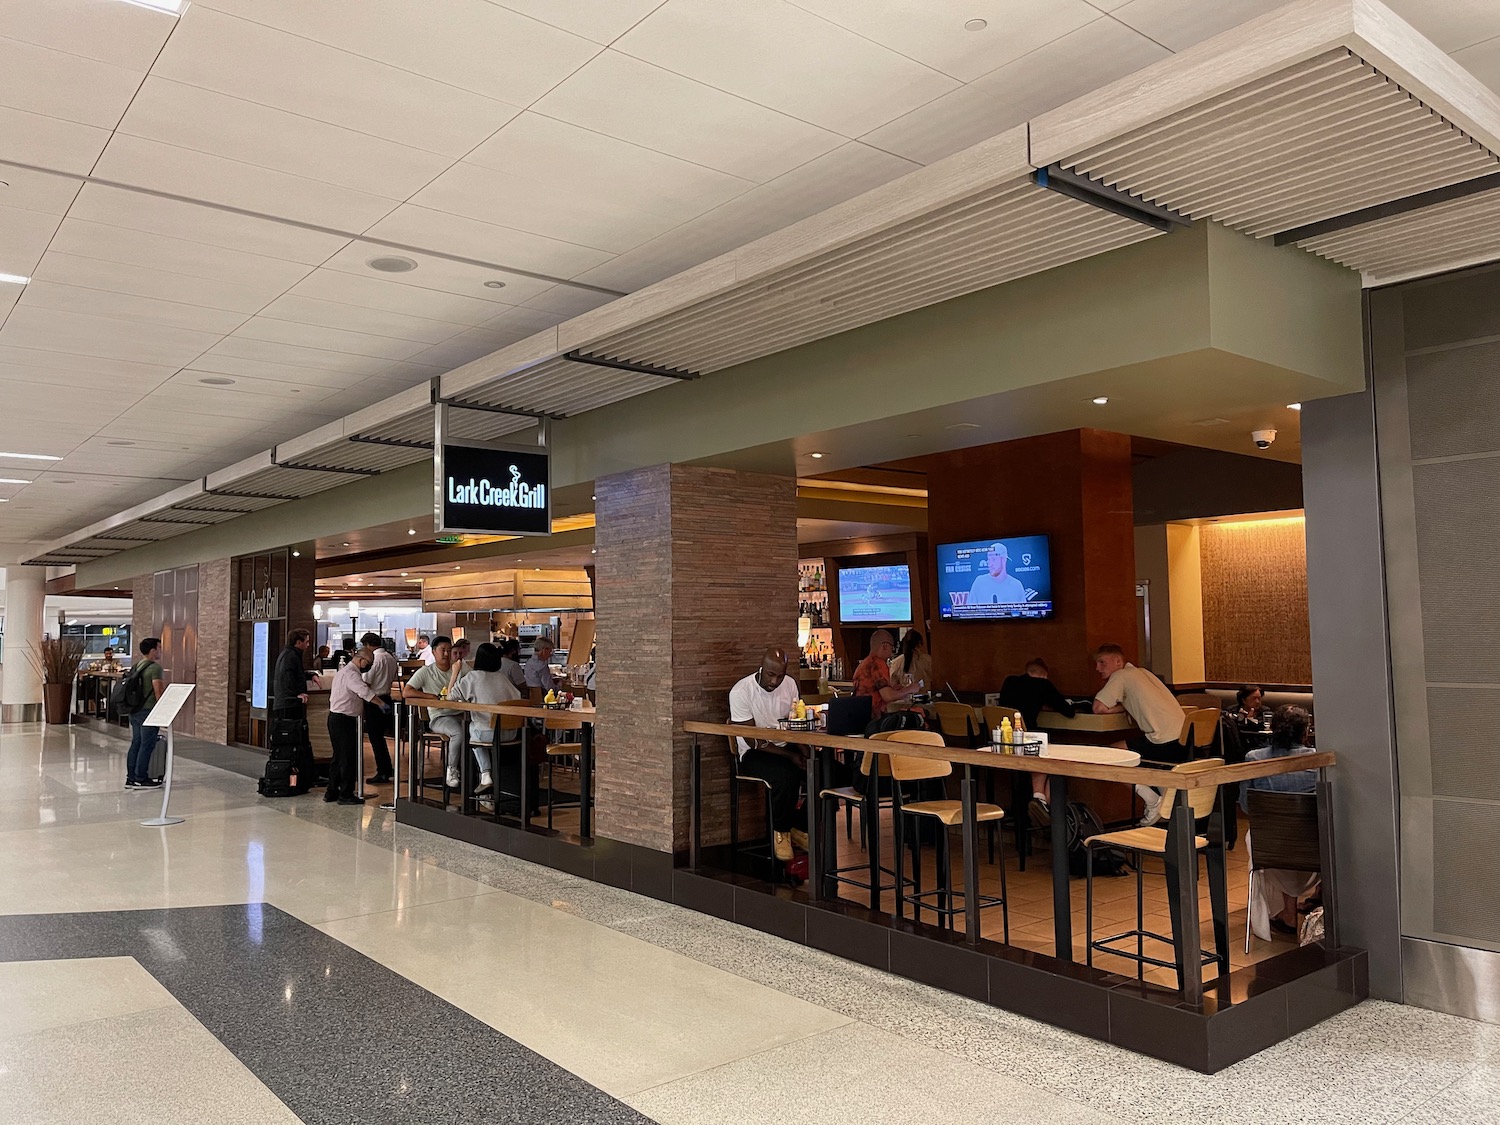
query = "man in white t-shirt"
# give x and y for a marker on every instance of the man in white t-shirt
(424, 651)
(996, 587)
(762, 699)
(1150, 705)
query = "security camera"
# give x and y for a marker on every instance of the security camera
(1263, 438)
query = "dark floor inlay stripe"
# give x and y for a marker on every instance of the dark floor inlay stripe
(336, 1036)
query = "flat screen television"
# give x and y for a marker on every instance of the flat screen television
(995, 579)
(874, 594)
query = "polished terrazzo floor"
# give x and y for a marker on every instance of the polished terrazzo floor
(276, 961)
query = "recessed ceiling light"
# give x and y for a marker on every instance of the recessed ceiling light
(458, 568)
(816, 456)
(1101, 400)
(3, 500)
(64, 482)
(346, 544)
(411, 531)
(14, 279)
(13, 480)
(217, 381)
(392, 264)
(296, 554)
(1294, 406)
(976, 25)
(539, 568)
(963, 426)
(32, 456)
(171, 7)
(494, 285)
(593, 550)
(403, 574)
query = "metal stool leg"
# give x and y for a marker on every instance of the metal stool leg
(1088, 909)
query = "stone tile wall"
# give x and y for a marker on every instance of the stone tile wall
(216, 622)
(696, 575)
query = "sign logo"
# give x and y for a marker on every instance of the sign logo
(493, 491)
(262, 606)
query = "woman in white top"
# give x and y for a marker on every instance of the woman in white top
(913, 664)
(485, 683)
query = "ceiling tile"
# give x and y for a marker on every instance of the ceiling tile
(48, 142)
(162, 252)
(377, 322)
(601, 21)
(1451, 24)
(781, 56)
(475, 342)
(440, 275)
(934, 33)
(79, 382)
(1084, 60)
(217, 363)
(119, 277)
(457, 234)
(626, 98)
(38, 191)
(567, 301)
(63, 85)
(298, 356)
(327, 339)
(845, 172)
(200, 223)
(206, 121)
(370, 292)
(471, 44)
(1482, 61)
(191, 378)
(87, 367)
(520, 323)
(23, 237)
(123, 34)
(46, 329)
(1176, 24)
(180, 171)
(128, 306)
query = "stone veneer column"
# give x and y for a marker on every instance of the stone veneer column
(216, 624)
(696, 575)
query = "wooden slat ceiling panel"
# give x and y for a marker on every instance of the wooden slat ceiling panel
(1445, 236)
(366, 456)
(283, 482)
(1323, 138)
(1009, 232)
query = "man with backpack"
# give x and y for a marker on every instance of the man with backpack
(139, 691)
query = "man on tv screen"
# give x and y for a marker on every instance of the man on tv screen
(997, 587)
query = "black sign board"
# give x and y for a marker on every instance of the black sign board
(487, 490)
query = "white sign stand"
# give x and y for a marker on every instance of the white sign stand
(162, 714)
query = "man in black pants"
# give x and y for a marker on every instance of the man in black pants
(383, 670)
(346, 700)
(762, 699)
(289, 698)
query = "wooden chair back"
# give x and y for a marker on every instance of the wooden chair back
(956, 721)
(914, 769)
(1285, 830)
(1200, 800)
(507, 728)
(993, 715)
(536, 694)
(1192, 700)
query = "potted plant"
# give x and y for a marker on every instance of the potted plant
(58, 665)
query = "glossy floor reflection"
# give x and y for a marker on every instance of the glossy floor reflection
(497, 990)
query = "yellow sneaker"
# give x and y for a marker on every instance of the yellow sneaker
(781, 844)
(799, 839)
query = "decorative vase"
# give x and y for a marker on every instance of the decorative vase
(55, 700)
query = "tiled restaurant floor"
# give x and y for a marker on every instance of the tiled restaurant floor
(283, 960)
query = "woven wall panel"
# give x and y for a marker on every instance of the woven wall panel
(1465, 876)
(1458, 541)
(1255, 602)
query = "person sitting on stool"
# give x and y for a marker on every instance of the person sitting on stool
(346, 701)
(763, 699)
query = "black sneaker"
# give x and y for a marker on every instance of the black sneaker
(1041, 815)
(378, 779)
(132, 783)
(149, 783)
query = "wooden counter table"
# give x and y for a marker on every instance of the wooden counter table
(1181, 856)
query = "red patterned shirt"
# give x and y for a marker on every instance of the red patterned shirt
(872, 675)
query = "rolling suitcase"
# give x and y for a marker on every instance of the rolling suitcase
(289, 766)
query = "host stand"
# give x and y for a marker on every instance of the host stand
(162, 714)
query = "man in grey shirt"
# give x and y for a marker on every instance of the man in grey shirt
(539, 668)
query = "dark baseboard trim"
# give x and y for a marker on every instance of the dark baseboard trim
(1251, 1009)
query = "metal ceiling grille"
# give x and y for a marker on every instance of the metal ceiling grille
(278, 482)
(1002, 234)
(1325, 137)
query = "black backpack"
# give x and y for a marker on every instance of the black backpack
(129, 695)
(1109, 862)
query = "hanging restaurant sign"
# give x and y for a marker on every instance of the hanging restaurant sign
(491, 489)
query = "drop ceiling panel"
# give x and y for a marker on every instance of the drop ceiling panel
(100, 336)
(63, 85)
(653, 107)
(440, 275)
(777, 55)
(369, 292)
(471, 44)
(601, 21)
(49, 142)
(293, 72)
(181, 171)
(188, 117)
(176, 255)
(89, 368)
(125, 306)
(39, 191)
(378, 322)
(934, 33)
(180, 288)
(328, 339)
(471, 238)
(193, 223)
(23, 237)
(245, 389)
(524, 321)
(122, 34)
(292, 355)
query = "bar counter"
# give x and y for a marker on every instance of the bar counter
(1181, 856)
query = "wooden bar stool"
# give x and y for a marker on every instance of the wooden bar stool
(873, 767)
(1143, 842)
